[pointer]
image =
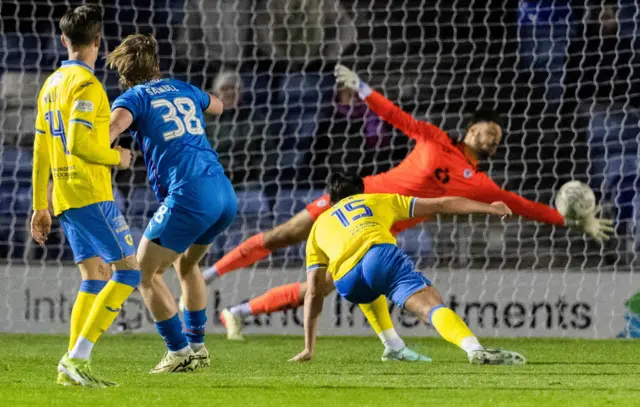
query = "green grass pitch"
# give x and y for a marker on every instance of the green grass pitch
(346, 372)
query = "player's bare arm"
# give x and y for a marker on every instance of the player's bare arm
(589, 223)
(313, 301)
(215, 106)
(457, 206)
(120, 121)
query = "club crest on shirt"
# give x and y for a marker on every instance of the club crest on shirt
(468, 173)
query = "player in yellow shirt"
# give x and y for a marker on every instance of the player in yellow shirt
(351, 243)
(72, 145)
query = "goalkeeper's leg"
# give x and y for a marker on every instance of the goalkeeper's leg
(293, 231)
(259, 246)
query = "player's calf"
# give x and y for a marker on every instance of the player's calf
(194, 293)
(158, 298)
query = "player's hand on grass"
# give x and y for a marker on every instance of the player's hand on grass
(346, 78)
(593, 225)
(304, 356)
(125, 158)
(40, 225)
(501, 209)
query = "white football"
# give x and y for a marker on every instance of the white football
(575, 200)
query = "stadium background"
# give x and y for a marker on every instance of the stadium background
(564, 76)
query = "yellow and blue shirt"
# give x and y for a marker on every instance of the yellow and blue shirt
(72, 140)
(341, 236)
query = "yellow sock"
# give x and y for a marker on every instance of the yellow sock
(377, 314)
(105, 309)
(89, 290)
(450, 326)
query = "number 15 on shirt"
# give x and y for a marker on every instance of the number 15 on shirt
(355, 211)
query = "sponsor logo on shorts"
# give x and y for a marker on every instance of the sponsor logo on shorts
(322, 203)
(129, 240)
(468, 173)
(83, 106)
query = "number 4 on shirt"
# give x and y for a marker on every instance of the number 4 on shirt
(364, 212)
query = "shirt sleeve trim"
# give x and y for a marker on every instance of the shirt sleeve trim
(412, 206)
(85, 122)
(125, 108)
(316, 266)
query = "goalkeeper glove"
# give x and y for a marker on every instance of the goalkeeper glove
(346, 78)
(598, 228)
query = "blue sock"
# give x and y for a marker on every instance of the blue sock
(92, 286)
(171, 331)
(128, 277)
(194, 322)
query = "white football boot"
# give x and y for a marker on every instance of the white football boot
(496, 357)
(234, 325)
(174, 362)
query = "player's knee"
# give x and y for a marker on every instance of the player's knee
(147, 278)
(128, 263)
(185, 266)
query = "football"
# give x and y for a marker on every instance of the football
(575, 200)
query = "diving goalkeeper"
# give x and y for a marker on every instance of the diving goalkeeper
(437, 166)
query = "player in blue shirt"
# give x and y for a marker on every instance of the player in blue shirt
(198, 201)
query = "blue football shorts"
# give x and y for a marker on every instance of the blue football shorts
(194, 213)
(383, 270)
(97, 230)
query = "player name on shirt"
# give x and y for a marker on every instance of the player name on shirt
(161, 89)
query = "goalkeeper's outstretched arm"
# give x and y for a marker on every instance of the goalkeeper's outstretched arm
(598, 228)
(386, 109)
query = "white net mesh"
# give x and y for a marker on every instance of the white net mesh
(564, 76)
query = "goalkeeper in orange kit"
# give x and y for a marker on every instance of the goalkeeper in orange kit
(437, 166)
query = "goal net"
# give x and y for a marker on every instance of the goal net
(565, 77)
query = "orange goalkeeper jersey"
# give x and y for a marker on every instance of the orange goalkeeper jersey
(437, 167)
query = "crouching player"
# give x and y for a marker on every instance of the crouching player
(198, 201)
(72, 144)
(351, 243)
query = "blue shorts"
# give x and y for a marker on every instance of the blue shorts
(97, 230)
(384, 270)
(194, 213)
